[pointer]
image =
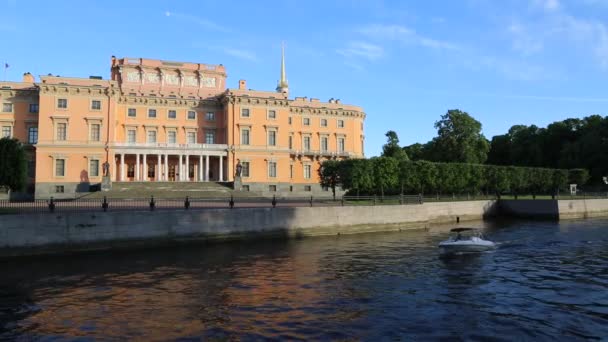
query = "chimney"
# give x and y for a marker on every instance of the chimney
(242, 84)
(28, 78)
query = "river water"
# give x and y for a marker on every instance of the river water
(546, 281)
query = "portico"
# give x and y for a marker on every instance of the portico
(162, 163)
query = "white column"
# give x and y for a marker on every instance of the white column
(115, 173)
(221, 169)
(166, 177)
(179, 169)
(159, 168)
(145, 167)
(122, 167)
(187, 173)
(207, 168)
(136, 167)
(200, 168)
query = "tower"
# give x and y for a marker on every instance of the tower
(282, 86)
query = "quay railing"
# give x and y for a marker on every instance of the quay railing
(152, 203)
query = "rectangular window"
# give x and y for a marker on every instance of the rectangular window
(323, 122)
(272, 138)
(94, 168)
(33, 108)
(131, 170)
(172, 137)
(209, 137)
(291, 171)
(131, 112)
(290, 142)
(245, 112)
(245, 187)
(289, 120)
(95, 132)
(272, 188)
(32, 135)
(151, 113)
(96, 105)
(245, 169)
(307, 169)
(62, 103)
(6, 131)
(272, 114)
(59, 167)
(306, 144)
(340, 145)
(7, 107)
(306, 121)
(191, 115)
(151, 136)
(191, 137)
(172, 114)
(59, 189)
(324, 144)
(210, 116)
(245, 136)
(307, 188)
(272, 169)
(62, 133)
(131, 136)
(340, 123)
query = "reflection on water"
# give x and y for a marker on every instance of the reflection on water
(544, 281)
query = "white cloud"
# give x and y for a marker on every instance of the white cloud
(406, 35)
(363, 50)
(240, 53)
(205, 23)
(523, 41)
(547, 5)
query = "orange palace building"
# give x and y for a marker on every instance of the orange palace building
(160, 121)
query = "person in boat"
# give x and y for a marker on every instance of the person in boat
(458, 236)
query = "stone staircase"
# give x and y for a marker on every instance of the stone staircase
(171, 190)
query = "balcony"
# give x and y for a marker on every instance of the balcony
(171, 146)
(322, 153)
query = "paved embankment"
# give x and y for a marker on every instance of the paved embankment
(48, 233)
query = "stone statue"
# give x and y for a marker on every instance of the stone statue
(106, 169)
(239, 168)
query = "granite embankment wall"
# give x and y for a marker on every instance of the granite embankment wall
(554, 209)
(49, 233)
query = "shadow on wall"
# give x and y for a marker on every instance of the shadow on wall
(529, 209)
(85, 184)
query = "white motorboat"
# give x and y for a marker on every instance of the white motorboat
(466, 240)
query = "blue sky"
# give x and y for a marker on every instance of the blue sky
(405, 62)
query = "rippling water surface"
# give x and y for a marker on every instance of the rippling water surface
(546, 281)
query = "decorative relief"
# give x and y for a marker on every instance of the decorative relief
(133, 76)
(208, 82)
(152, 78)
(172, 79)
(191, 81)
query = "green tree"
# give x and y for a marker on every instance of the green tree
(13, 164)
(361, 175)
(329, 175)
(408, 176)
(428, 175)
(386, 173)
(415, 151)
(459, 139)
(392, 148)
(497, 179)
(578, 176)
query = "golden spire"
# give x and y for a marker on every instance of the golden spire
(283, 87)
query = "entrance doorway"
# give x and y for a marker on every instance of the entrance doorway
(171, 173)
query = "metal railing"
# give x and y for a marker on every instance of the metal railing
(152, 203)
